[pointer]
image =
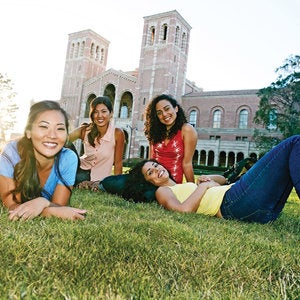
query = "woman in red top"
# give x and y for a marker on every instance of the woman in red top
(172, 140)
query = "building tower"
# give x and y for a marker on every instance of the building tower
(164, 54)
(163, 62)
(86, 58)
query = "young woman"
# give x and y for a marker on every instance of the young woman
(172, 140)
(36, 172)
(259, 196)
(103, 144)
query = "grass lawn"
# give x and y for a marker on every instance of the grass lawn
(141, 251)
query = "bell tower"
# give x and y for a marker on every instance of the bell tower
(164, 54)
(86, 58)
(163, 62)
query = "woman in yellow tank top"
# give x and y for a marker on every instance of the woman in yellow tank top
(259, 195)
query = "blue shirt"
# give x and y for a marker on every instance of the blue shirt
(67, 166)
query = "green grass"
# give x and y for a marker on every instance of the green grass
(141, 251)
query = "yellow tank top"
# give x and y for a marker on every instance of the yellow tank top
(211, 200)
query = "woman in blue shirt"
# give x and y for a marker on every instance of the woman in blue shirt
(36, 172)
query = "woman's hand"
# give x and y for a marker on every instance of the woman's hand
(212, 183)
(207, 182)
(29, 209)
(203, 178)
(221, 180)
(89, 157)
(66, 212)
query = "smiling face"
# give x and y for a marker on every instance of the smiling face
(101, 115)
(166, 113)
(155, 173)
(48, 134)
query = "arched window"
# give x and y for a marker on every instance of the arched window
(92, 51)
(217, 119)
(142, 152)
(222, 159)
(152, 35)
(183, 41)
(211, 158)
(203, 157)
(124, 112)
(82, 48)
(97, 53)
(239, 156)
(177, 35)
(164, 32)
(272, 123)
(102, 55)
(195, 157)
(72, 50)
(77, 49)
(193, 118)
(243, 119)
(231, 159)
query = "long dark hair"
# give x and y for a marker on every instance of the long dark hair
(137, 188)
(25, 171)
(94, 130)
(154, 130)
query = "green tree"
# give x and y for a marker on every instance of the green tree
(8, 107)
(279, 107)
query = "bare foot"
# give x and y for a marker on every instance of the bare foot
(89, 185)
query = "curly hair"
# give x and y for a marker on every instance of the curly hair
(137, 188)
(94, 131)
(25, 171)
(154, 130)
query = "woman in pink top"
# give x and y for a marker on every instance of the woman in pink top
(172, 140)
(103, 144)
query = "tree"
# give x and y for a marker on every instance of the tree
(279, 107)
(8, 107)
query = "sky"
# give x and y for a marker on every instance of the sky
(234, 44)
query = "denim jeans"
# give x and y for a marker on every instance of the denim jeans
(260, 194)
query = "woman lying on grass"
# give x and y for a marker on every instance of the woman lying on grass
(259, 196)
(36, 172)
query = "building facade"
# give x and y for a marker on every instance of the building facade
(223, 119)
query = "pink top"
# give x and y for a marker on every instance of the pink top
(99, 159)
(170, 155)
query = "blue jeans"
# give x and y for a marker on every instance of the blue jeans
(260, 194)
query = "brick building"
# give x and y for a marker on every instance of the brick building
(223, 119)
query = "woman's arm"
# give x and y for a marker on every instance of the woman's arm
(151, 154)
(58, 207)
(65, 212)
(77, 133)
(61, 195)
(41, 206)
(18, 210)
(168, 200)
(189, 135)
(6, 186)
(119, 148)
